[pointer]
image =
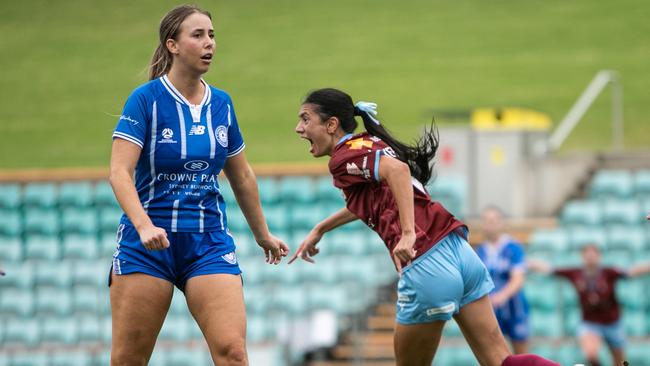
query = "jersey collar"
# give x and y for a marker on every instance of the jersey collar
(179, 97)
(344, 138)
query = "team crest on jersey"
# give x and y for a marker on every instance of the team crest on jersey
(359, 143)
(353, 169)
(222, 135)
(230, 258)
(197, 130)
(167, 136)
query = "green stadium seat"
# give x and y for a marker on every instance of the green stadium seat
(268, 190)
(186, 357)
(622, 212)
(226, 192)
(321, 297)
(642, 183)
(297, 190)
(545, 350)
(41, 221)
(42, 195)
(17, 275)
(363, 272)
(54, 301)
(580, 236)
(581, 213)
(56, 274)
(290, 299)
(89, 329)
(109, 219)
(258, 328)
(23, 331)
(571, 318)
(17, 302)
(451, 191)
(611, 183)
(59, 330)
(11, 250)
(569, 354)
(38, 358)
(634, 322)
(630, 293)
(463, 356)
(637, 354)
(571, 259)
(11, 224)
(103, 195)
(569, 295)
(86, 299)
(237, 222)
(257, 298)
(618, 258)
(545, 324)
(10, 196)
(631, 238)
(79, 246)
(246, 245)
(552, 240)
(107, 244)
(451, 329)
(82, 221)
(306, 216)
(91, 273)
(71, 358)
(277, 217)
(106, 326)
(41, 247)
(252, 271)
(349, 243)
(75, 194)
(175, 328)
(543, 295)
(327, 193)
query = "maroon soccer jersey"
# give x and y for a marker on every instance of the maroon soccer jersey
(355, 169)
(597, 292)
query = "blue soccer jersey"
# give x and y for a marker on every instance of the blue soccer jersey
(184, 148)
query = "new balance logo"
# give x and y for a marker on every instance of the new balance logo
(197, 130)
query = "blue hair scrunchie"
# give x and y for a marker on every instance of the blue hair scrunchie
(369, 108)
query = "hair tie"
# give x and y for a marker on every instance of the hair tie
(369, 108)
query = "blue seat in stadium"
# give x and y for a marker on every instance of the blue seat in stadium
(349, 243)
(546, 324)
(17, 302)
(23, 331)
(545, 350)
(75, 194)
(631, 238)
(42, 247)
(40, 195)
(551, 240)
(297, 190)
(10, 196)
(292, 300)
(17, 275)
(581, 236)
(106, 326)
(277, 217)
(59, 330)
(71, 358)
(226, 192)
(53, 301)
(622, 212)
(451, 191)
(186, 357)
(327, 193)
(92, 273)
(236, 220)
(306, 216)
(175, 328)
(109, 219)
(258, 328)
(629, 292)
(41, 221)
(54, 274)
(89, 329)
(568, 295)
(80, 246)
(268, 189)
(103, 195)
(257, 298)
(86, 299)
(581, 213)
(569, 353)
(103, 358)
(11, 224)
(642, 183)
(637, 354)
(543, 295)
(463, 356)
(4, 358)
(82, 221)
(252, 269)
(452, 329)
(12, 250)
(24, 358)
(611, 183)
(634, 322)
(107, 244)
(321, 297)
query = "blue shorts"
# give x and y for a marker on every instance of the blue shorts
(613, 334)
(188, 255)
(441, 281)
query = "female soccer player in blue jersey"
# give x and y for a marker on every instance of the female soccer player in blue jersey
(505, 260)
(176, 134)
(382, 179)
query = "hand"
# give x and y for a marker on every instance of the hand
(153, 238)
(498, 299)
(403, 251)
(308, 247)
(274, 249)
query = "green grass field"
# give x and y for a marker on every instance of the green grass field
(68, 66)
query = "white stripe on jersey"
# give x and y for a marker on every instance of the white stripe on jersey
(418, 185)
(213, 143)
(152, 152)
(240, 149)
(229, 120)
(129, 138)
(170, 88)
(201, 216)
(181, 122)
(217, 205)
(175, 216)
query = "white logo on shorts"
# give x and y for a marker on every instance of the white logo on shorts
(230, 258)
(443, 309)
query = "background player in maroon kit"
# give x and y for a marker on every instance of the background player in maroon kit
(596, 288)
(382, 180)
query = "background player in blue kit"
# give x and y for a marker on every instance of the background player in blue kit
(176, 134)
(504, 259)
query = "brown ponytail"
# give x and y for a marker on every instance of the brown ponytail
(170, 25)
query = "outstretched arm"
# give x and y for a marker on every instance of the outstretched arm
(639, 270)
(244, 185)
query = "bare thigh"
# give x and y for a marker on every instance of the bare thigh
(415, 345)
(481, 330)
(590, 344)
(217, 303)
(139, 303)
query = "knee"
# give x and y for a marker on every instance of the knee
(234, 352)
(127, 359)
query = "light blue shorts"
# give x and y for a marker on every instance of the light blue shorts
(613, 334)
(188, 255)
(441, 281)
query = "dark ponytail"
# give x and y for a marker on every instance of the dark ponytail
(170, 25)
(335, 103)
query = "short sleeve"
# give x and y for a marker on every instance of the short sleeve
(616, 273)
(359, 162)
(235, 139)
(565, 272)
(132, 124)
(517, 257)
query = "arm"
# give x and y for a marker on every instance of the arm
(244, 185)
(124, 157)
(639, 270)
(539, 266)
(398, 176)
(308, 248)
(516, 283)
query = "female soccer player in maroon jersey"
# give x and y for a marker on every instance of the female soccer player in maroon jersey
(382, 179)
(596, 288)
